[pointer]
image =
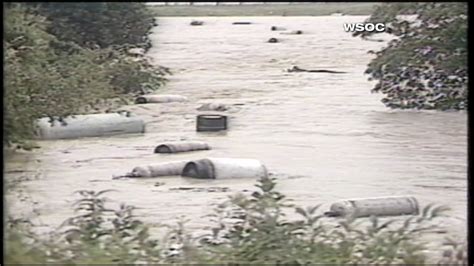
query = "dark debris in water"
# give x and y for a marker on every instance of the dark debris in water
(296, 176)
(97, 180)
(201, 189)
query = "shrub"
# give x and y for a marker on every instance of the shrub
(249, 229)
(134, 75)
(102, 24)
(48, 73)
(260, 233)
(39, 81)
(425, 65)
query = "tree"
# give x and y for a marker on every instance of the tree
(55, 67)
(102, 24)
(39, 81)
(109, 25)
(425, 65)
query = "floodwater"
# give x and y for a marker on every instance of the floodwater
(325, 137)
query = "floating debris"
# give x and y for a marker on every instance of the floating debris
(211, 123)
(273, 40)
(213, 107)
(225, 168)
(157, 170)
(136, 51)
(201, 189)
(92, 125)
(164, 98)
(297, 69)
(389, 206)
(296, 32)
(183, 146)
(196, 23)
(159, 184)
(275, 28)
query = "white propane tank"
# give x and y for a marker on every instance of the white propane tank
(183, 146)
(221, 168)
(92, 125)
(160, 98)
(156, 170)
(387, 206)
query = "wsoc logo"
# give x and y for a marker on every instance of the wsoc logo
(370, 27)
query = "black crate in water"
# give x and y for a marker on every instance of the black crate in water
(211, 122)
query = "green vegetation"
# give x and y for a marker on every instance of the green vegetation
(425, 66)
(102, 24)
(249, 229)
(312, 9)
(57, 65)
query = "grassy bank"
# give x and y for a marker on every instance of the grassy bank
(314, 9)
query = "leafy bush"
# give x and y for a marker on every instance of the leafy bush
(102, 24)
(250, 229)
(260, 233)
(21, 245)
(425, 66)
(134, 75)
(107, 235)
(115, 28)
(38, 81)
(49, 73)
(95, 235)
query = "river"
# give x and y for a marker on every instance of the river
(325, 137)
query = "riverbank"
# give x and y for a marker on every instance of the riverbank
(313, 9)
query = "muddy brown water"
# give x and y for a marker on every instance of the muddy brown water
(325, 137)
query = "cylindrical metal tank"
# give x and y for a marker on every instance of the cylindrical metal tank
(387, 206)
(220, 168)
(211, 122)
(156, 170)
(92, 125)
(157, 98)
(184, 146)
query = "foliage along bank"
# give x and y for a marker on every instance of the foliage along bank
(68, 58)
(425, 65)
